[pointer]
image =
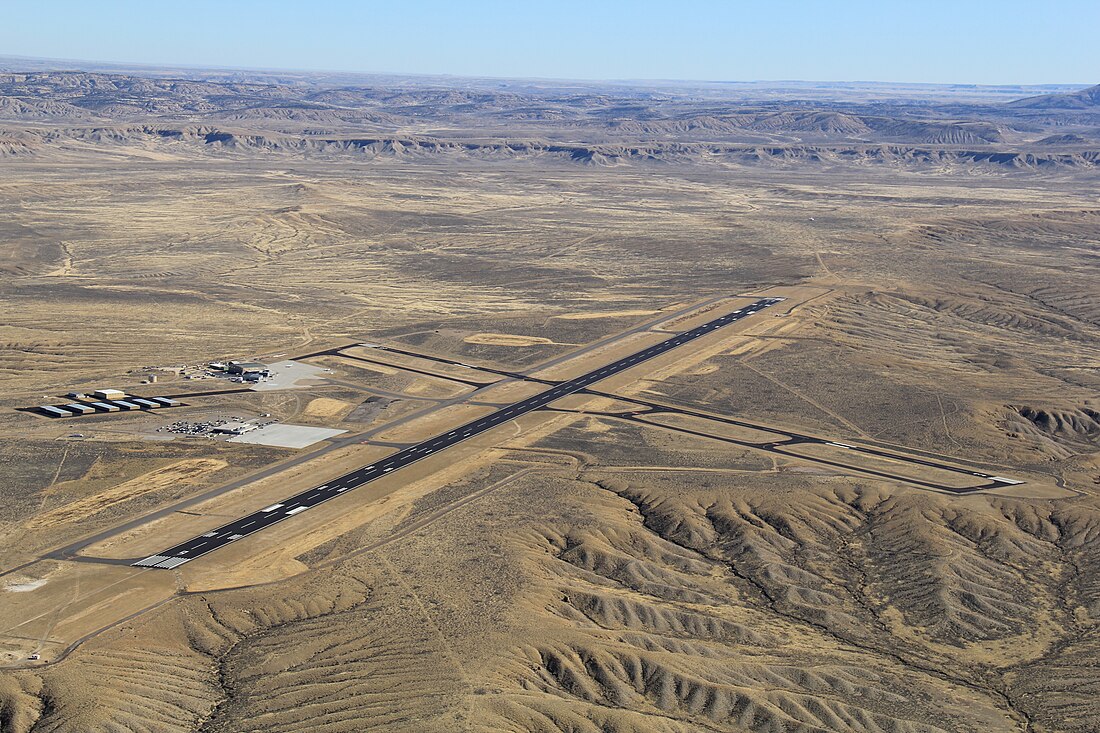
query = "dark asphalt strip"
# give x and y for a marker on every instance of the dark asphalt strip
(196, 547)
(792, 439)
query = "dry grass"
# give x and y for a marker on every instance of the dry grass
(505, 339)
(640, 580)
(177, 475)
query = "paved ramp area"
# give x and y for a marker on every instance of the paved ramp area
(286, 436)
(289, 374)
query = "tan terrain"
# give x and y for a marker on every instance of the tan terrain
(578, 569)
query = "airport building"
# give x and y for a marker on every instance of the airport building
(89, 406)
(247, 367)
(234, 428)
(108, 394)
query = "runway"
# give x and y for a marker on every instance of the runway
(238, 529)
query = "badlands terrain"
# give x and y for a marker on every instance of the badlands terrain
(939, 249)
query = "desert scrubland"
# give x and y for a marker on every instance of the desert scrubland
(580, 573)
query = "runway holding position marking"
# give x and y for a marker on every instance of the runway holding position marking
(173, 557)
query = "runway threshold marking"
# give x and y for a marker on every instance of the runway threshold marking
(196, 547)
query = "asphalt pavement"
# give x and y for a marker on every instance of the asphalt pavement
(206, 543)
(788, 438)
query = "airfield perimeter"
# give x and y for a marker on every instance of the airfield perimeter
(939, 474)
(239, 529)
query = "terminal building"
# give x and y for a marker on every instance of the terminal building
(245, 368)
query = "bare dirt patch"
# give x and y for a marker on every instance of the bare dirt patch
(326, 407)
(611, 314)
(504, 339)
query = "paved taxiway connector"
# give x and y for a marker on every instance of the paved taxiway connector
(173, 557)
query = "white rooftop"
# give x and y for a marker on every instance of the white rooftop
(286, 436)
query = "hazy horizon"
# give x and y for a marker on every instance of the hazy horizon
(857, 42)
(86, 64)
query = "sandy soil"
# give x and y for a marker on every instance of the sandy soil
(504, 339)
(565, 572)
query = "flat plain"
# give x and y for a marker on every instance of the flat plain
(573, 570)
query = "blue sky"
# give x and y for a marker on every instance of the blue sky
(964, 41)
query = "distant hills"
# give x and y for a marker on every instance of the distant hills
(1084, 99)
(42, 110)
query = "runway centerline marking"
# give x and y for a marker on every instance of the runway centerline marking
(244, 526)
